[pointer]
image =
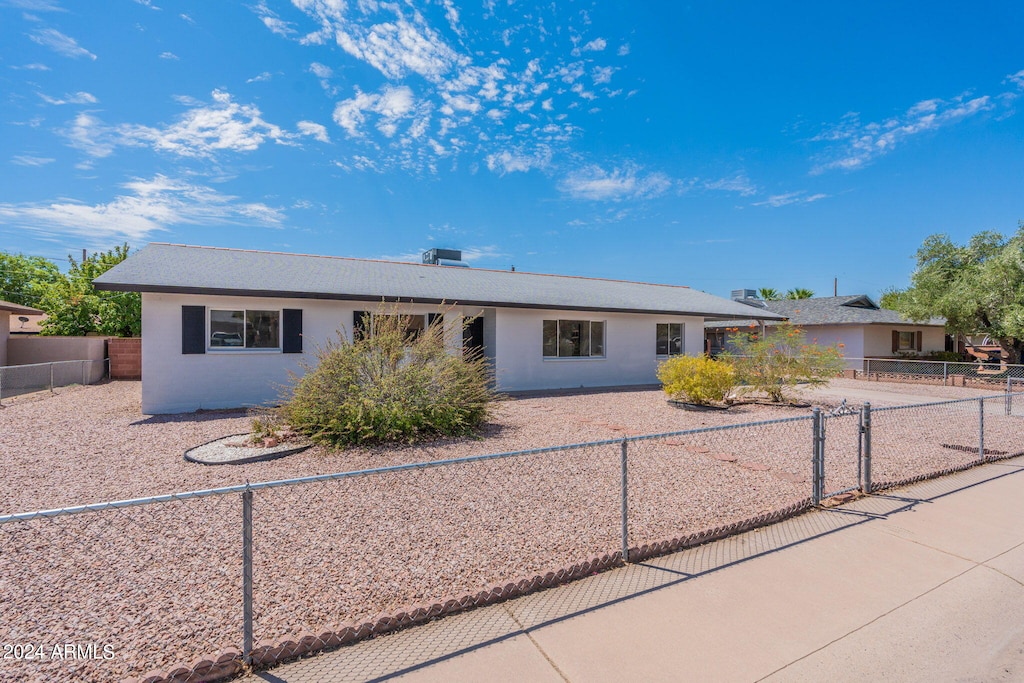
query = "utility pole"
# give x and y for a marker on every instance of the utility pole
(835, 286)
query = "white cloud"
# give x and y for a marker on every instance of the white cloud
(148, 206)
(314, 130)
(272, 21)
(603, 74)
(169, 55)
(596, 45)
(855, 144)
(1017, 79)
(72, 98)
(628, 182)
(390, 106)
(623, 50)
(60, 43)
(36, 66)
(259, 78)
(800, 197)
(28, 160)
(222, 125)
(517, 162)
(35, 5)
(739, 183)
(88, 134)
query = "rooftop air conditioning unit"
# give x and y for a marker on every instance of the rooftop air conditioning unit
(444, 257)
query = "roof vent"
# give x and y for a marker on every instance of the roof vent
(444, 257)
(741, 294)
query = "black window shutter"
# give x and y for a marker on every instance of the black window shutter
(918, 339)
(193, 329)
(292, 342)
(895, 341)
(435, 318)
(360, 321)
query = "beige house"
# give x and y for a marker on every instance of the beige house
(8, 312)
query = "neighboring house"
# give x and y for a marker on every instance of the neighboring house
(26, 324)
(8, 312)
(225, 327)
(864, 328)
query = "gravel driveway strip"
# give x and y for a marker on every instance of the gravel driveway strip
(161, 584)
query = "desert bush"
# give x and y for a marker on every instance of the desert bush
(697, 379)
(780, 360)
(389, 384)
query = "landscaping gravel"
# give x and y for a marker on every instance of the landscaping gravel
(162, 583)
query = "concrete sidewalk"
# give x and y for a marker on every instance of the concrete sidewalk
(919, 584)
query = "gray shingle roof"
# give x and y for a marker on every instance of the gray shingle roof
(18, 308)
(209, 270)
(831, 310)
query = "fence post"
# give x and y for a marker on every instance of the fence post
(1009, 399)
(817, 485)
(865, 429)
(51, 378)
(247, 577)
(84, 366)
(625, 505)
(981, 429)
(945, 372)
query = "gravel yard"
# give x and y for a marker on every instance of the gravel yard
(161, 583)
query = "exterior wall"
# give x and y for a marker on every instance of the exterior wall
(878, 339)
(38, 349)
(229, 378)
(175, 382)
(125, 358)
(5, 331)
(629, 350)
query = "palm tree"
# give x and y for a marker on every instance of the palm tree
(769, 294)
(799, 293)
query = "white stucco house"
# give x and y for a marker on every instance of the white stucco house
(224, 327)
(858, 323)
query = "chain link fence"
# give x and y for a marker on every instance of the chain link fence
(198, 584)
(947, 373)
(24, 379)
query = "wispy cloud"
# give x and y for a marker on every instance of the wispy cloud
(446, 93)
(36, 66)
(799, 197)
(259, 78)
(169, 56)
(853, 144)
(35, 5)
(738, 183)
(60, 43)
(222, 125)
(313, 130)
(72, 98)
(147, 206)
(28, 160)
(1017, 79)
(627, 182)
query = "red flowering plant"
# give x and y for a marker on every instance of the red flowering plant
(780, 360)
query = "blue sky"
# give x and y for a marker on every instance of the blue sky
(717, 145)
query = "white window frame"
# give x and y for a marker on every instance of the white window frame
(591, 356)
(279, 348)
(682, 340)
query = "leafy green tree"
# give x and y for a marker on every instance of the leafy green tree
(781, 359)
(75, 308)
(977, 287)
(24, 279)
(769, 294)
(890, 299)
(799, 293)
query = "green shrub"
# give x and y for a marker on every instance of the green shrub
(782, 359)
(390, 384)
(698, 379)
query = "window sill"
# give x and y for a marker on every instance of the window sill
(571, 359)
(218, 351)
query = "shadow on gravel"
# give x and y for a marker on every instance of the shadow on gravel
(393, 655)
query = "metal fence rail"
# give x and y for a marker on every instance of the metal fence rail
(974, 374)
(282, 567)
(23, 379)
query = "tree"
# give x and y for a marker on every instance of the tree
(890, 298)
(799, 293)
(23, 279)
(977, 287)
(75, 308)
(769, 294)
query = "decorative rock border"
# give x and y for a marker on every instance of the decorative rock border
(217, 452)
(267, 653)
